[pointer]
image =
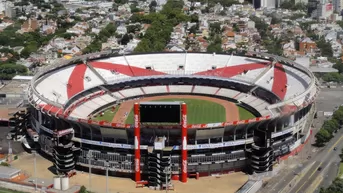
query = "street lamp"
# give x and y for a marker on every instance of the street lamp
(167, 171)
(89, 155)
(107, 164)
(35, 168)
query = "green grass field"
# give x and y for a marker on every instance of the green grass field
(245, 114)
(202, 111)
(199, 111)
(108, 116)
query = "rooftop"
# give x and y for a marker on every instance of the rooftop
(14, 87)
(8, 172)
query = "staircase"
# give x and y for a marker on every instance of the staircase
(262, 153)
(159, 174)
(64, 159)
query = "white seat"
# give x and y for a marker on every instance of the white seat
(132, 92)
(205, 89)
(155, 89)
(180, 89)
(228, 93)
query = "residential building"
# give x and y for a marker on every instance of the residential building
(29, 25)
(121, 29)
(307, 46)
(337, 5)
(10, 10)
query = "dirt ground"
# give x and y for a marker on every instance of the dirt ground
(232, 113)
(213, 184)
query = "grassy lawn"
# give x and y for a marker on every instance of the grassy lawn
(199, 111)
(340, 172)
(108, 116)
(3, 190)
(244, 114)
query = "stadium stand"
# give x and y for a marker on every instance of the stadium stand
(281, 91)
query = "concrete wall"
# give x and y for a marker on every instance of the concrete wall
(18, 187)
(251, 187)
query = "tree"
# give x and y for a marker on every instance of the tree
(83, 190)
(194, 18)
(214, 48)
(275, 20)
(215, 28)
(325, 47)
(121, 2)
(338, 115)
(153, 4)
(158, 34)
(335, 187)
(332, 77)
(125, 39)
(67, 35)
(322, 137)
(339, 66)
(330, 125)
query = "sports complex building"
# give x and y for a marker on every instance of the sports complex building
(271, 107)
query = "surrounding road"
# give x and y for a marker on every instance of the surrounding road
(324, 160)
(310, 180)
(290, 179)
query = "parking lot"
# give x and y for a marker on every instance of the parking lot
(4, 143)
(329, 98)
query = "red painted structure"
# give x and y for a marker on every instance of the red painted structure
(137, 133)
(184, 142)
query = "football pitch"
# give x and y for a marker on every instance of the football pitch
(198, 111)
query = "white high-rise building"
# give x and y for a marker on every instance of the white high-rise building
(324, 10)
(337, 5)
(265, 3)
(10, 10)
(2, 6)
(268, 3)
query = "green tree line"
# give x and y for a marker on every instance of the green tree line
(157, 35)
(104, 34)
(335, 187)
(326, 132)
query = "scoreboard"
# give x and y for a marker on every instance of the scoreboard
(160, 112)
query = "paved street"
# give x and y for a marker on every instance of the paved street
(290, 169)
(325, 157)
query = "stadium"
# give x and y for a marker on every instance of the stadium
(196, 114)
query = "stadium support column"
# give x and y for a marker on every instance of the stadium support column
(184, 143)
(137, 133)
